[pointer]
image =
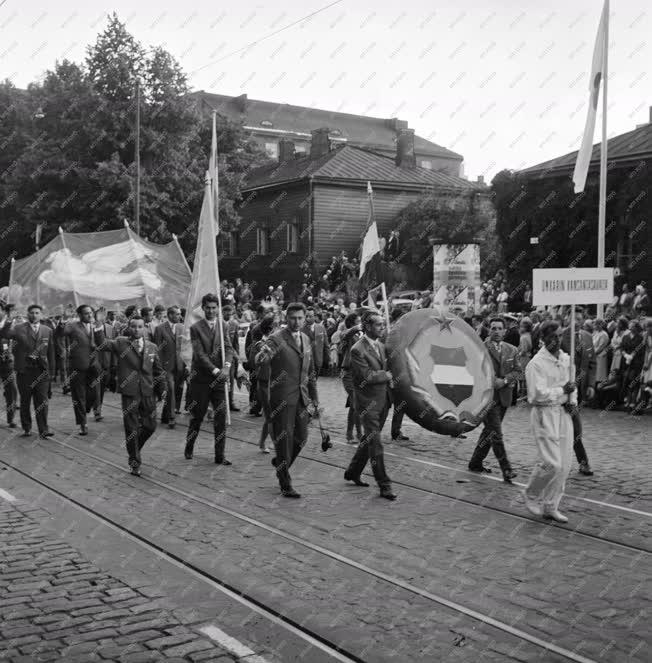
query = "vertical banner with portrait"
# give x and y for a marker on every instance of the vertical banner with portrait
(456, 276)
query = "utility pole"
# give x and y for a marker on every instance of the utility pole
(137, 201)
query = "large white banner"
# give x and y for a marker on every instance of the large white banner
(578, 285)
(456, 275)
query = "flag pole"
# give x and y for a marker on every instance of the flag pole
(602, 206)
(383, 287)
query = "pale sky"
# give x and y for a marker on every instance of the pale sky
(503, 82)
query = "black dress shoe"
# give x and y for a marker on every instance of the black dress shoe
(26, 433)
(11, 424)
(585, 469)
(400, 438)
(172, 425)
(480, 469)
(98, 417)
(234, 408)
(387, 494)
(356, 480)
(254, 413)
(508, 475)
(290, 492)
(135, 471)
(83, 430)
(47, 433)
(274, 461)
(224, 461)
(187, 452)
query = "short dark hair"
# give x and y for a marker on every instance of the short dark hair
(368, 316)
(497, 318)
(145, 310)
(33, 306)
(266, 324)
(548, 327)
(136, 317)
(209, 298)
(228, 308)
(350, 319)
(79, 310)
(295, 306)
(172, 308)
(129, 311)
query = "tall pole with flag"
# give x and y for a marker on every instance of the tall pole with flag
(370, 262)
(205, 273)
(599, 71)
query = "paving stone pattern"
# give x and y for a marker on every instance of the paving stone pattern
(55, 605)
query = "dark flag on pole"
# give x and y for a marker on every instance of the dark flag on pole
(370, 259)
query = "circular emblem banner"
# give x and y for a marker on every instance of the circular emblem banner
(442, 370)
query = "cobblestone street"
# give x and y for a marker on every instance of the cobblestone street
(199, 562)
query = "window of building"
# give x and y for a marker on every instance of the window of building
(234, 243)
(425, 163)
(271, 149)
(262, 241)
(293, 238)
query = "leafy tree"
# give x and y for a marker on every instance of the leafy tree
(72, 164)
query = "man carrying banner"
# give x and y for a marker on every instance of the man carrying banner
(209, 375)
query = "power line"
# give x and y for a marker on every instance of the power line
(271, 34)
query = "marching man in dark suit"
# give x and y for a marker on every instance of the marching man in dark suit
(208, 377)
(34, 363)
(140, 380)
(167, 336)
(288, 359)
(372, 398)
(233, 329)
(83, 365)
(507, 372)
(106, 362)
(316, 332)
(7, 373)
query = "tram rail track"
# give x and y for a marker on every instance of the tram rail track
(336, 651)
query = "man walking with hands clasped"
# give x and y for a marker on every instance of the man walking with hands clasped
(372, 399)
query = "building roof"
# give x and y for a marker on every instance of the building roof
(359, 130)
(354, 164)
(630, 146)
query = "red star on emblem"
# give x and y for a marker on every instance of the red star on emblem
(445, 323)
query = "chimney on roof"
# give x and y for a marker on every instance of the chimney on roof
(405, 157)
(319, 144)
(241, 103)
(396, 124)
(481, 180)
(285, 150)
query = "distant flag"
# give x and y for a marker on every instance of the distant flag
(212, 169)
(370, 252)
(205, 275)
(597, 72)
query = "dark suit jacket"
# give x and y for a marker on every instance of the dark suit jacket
(233, 328)
(169, 347)
(371, 385)
(506, 366)
(82, 347)
(105, 355)
(291, 370)
(6, 344)
(206, 352)
(585, 361)
(26, 343)
(138, 375)
(319, 341)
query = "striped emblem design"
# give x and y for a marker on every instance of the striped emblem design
(450, 375)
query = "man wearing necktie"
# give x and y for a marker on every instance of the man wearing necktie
(34, 362)
(288, 361)
(84, 368)
(507, 371)
(372, 397)
(209, 376)
(141, 379)
(167, 336)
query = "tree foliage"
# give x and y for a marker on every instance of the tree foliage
(67, 148)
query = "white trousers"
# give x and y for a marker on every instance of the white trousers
(552, 428)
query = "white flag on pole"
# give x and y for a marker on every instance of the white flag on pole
(597, 72)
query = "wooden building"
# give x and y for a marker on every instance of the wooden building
(311, 207)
